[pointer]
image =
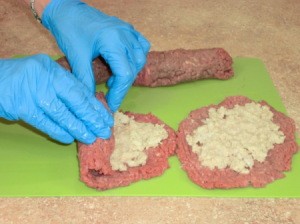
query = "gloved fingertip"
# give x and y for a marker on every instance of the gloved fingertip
(104, 133)
(110, 121)
(67, 139)
(88, 139)
(99, 125)
(146, 45)
(112, 106)
(110, 81)
(102, 112)
(140, 59)
(61, 136)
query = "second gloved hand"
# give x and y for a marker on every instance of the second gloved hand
(43, 94)
(83, 33)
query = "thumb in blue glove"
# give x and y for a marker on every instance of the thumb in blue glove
(43, 94)
(83, 33)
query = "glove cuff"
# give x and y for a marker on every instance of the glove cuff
(54, 8)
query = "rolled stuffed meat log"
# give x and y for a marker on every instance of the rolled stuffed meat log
(165, 68)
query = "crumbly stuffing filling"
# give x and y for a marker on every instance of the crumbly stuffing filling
(132, 139)
(235, 137)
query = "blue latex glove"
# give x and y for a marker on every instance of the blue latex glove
(83, 33)
(43, 94)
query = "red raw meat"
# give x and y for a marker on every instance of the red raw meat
(165, 68)
(94, 159)
(278, 159)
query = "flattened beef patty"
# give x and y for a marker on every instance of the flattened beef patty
(277, 160)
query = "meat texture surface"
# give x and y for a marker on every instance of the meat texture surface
(277, 161)
(165, 68)
(96, 170)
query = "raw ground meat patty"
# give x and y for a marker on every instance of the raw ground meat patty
(96, 170)
(278, 159)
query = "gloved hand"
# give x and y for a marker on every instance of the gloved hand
(83, 33)
(43, 94)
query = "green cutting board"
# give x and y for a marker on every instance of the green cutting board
(32, 165)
